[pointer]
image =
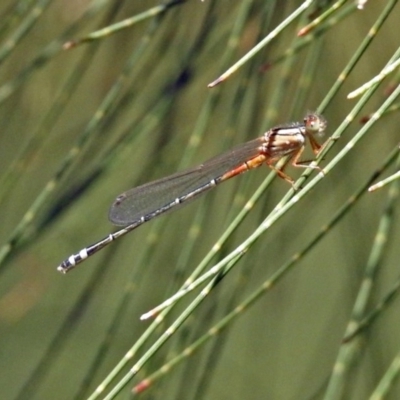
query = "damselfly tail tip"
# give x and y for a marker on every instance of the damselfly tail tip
(61, 269)
(65, 267)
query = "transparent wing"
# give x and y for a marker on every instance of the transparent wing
(161, 194)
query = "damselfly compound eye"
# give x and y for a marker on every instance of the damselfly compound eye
(315, 124)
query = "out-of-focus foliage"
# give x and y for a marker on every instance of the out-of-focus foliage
(81, 125)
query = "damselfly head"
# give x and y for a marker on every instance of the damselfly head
(315, 124)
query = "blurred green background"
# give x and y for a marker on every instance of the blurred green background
(80, 126)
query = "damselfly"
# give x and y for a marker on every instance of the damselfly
(141, 204)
